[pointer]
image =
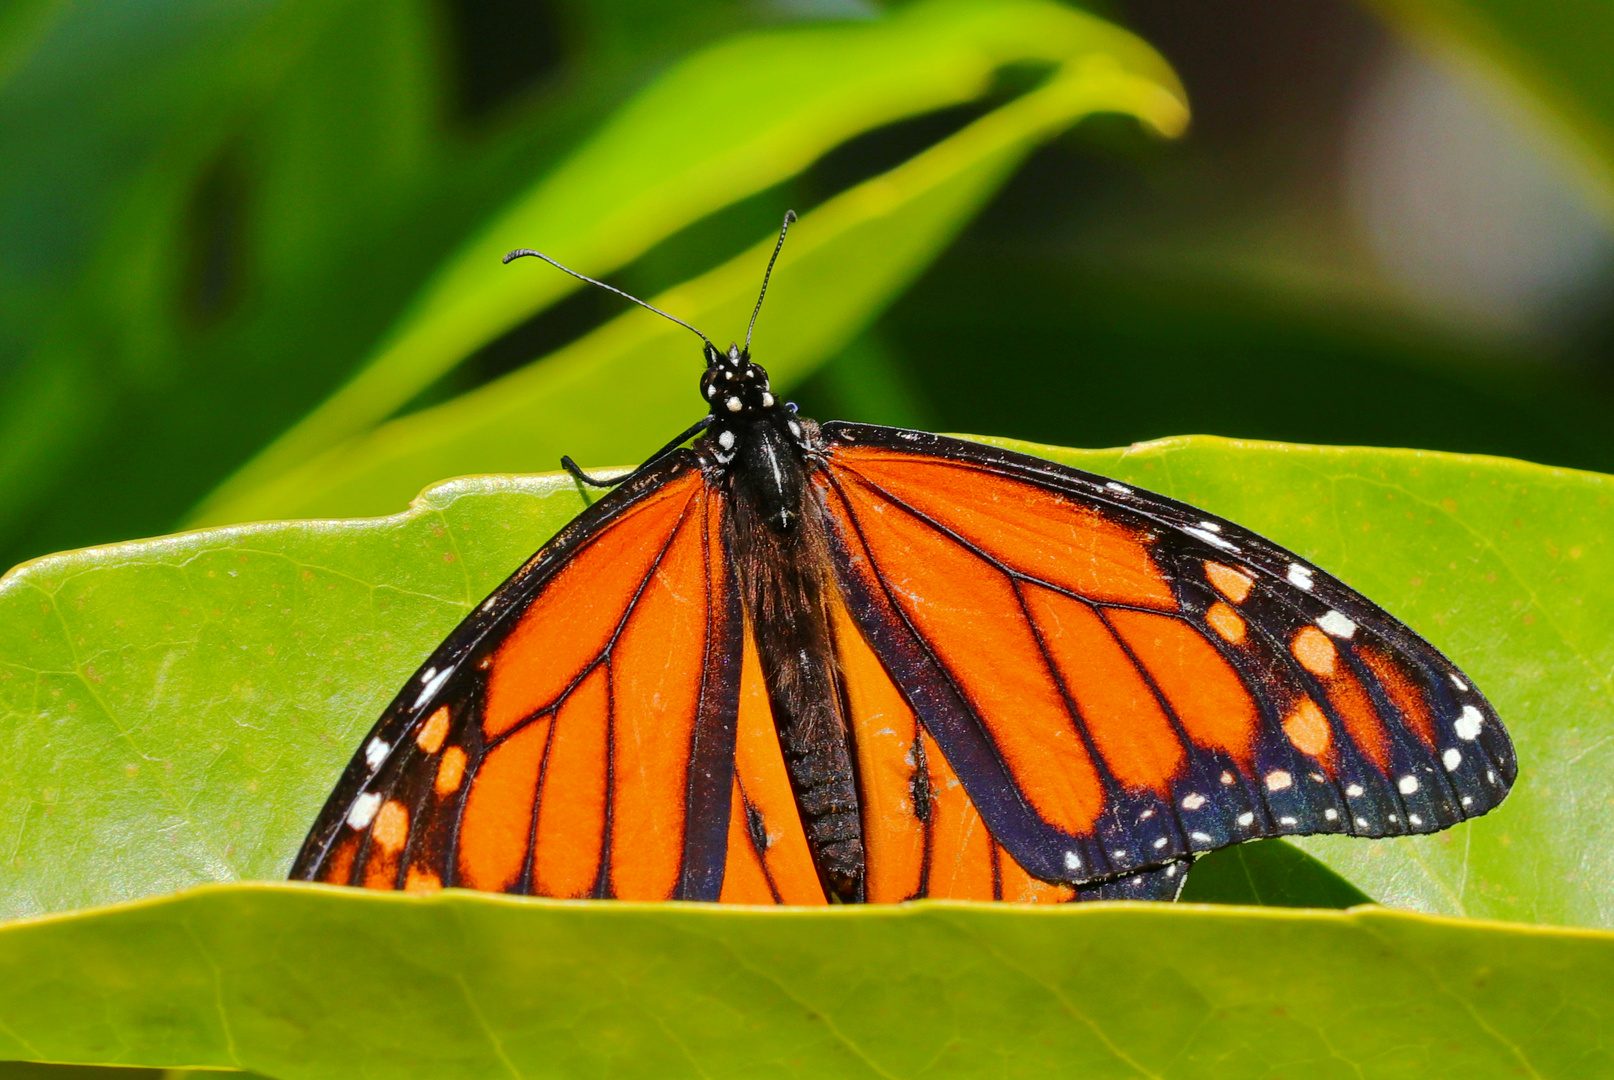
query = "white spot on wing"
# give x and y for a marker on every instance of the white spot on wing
(432, 686)
(363, 810)
(1451, 759)
(1209, 537)
(1354, 790)
(1468, 800)
(375, 752)
(1246, 819)
(1227, 777)
(1361, 823)
(1211, 525)
(1338, 624)
(1160, 843)
(1200, 837)
(1468, 724)
(1407, 785)
(1073, 861)
(1300, 576)
(1289, 821)
(1193, 801)
(1415, 819)
(1278, 780)
(1331, 814)
(1460, 684)
(1122, 488)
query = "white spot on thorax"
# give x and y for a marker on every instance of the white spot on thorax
(1407, 785)
(363, 810)
(767, 400)
(1278, 780)
(1300, 576)
(1468, 724)
(1451, 759)
(725, 439)
(375, 752)
(795, 429)
(1338, 624)
(1193, 801)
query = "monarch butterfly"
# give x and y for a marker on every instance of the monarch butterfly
(795, 663)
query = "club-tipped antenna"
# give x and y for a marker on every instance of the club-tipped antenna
(790, 218)
(519, 252)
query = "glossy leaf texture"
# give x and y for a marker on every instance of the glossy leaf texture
(176, 710)
(784, 98)
(305, 983)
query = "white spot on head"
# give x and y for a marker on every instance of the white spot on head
(1278, 780)
(1460, 684)
(725, 439)
(1159, 843)
(1073, 861)
(1227, 777)
(1490, 774)
(1337, 624)
(1246, 819)
(1468, 724)
(1300, 576)
(433, 684)
(375, 752)
(1330, 814)
(1193, 801)
(1451, 759)
(1354, 790)
(767, 400)
(1211, 525)
(734, 404)
(1289, 821)
(363, 810)
(1415, 819)
(1407, 785)
(1209, 537)
(1122, 488)
(1200, 837)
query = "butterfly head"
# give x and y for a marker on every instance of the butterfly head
(736, 388)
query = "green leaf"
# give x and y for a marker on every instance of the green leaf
(1557, 51)
(313, 982)
(766, 105)
(176, 710)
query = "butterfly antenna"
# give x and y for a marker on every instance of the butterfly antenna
(519, 252)
(790, 219)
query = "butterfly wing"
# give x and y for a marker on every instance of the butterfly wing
(575, 736)
(1119, 681)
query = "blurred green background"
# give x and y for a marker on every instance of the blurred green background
(248, 250)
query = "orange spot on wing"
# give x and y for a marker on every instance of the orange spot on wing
(571, 808)
(1314, 651)
(432, 732)
(883, 734)
(569, 624)
(417, 880)
(1048, 536)
(1362, 722)
(1019, 887)
(381, 871)
(1211, 701)
(1231, 583)
(759, 770)
(1403, 691)
(1308, 729)
(450, 771)
(744, 881)
(656, 674)
(1128, 727)
(391, 826)
(1226, 622)
(970, 616)
(497, 822)
(340, 867)
(961, 848)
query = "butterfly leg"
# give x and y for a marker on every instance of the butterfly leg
(582, 477)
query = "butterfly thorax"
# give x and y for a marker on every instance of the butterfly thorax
(755, 440)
